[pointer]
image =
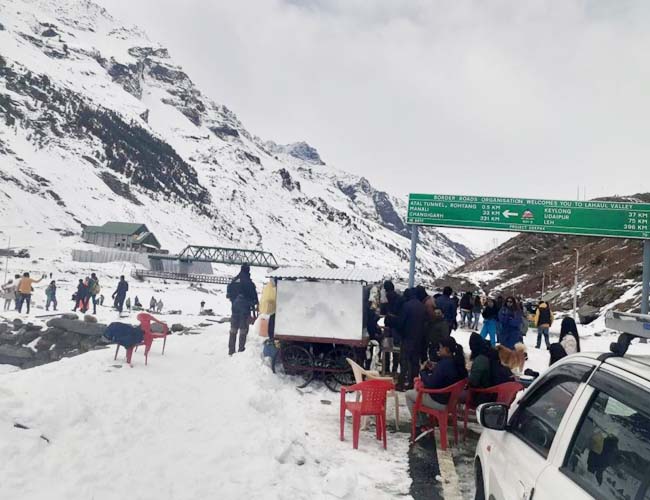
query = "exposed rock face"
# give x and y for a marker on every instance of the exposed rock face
(300, 150)
(608, 267)
(30, 345)
(127, 149)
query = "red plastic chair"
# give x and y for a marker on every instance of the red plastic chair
(441, 416)
(373, 403)
(505, 393)
(129, 351)
(146, 321)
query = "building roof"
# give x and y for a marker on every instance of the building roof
(125, 228)
(327, 274)
(147, 239)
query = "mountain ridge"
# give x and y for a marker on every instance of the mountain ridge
(99, 123)
(609, 269)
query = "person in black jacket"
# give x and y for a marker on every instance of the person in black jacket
(82, 295)
(448, 307)
(486, 370)
(411, 327)
(466, 303)
(449, 370)
(490, 318)
(119, 295)
(439, 330)
(243, 296)
(392, 311)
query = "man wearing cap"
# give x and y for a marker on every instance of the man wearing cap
(243, 295)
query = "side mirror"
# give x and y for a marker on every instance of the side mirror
(492, 416)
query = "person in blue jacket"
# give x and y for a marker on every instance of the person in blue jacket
(510, 318)
(449, 370)
(445, 303)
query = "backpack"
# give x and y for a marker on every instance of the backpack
(233, 289)
(95, 288)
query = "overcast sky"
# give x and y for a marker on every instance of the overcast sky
(510, 98)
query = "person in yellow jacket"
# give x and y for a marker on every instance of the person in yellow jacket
(25, 289)
(543, 321)
(268, 303)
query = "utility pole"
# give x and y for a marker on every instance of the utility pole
(543, 283)
(575, 288)
(645, 290)
(7, 259)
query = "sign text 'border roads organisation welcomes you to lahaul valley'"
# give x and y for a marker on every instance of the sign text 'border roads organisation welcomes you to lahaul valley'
(583, 218)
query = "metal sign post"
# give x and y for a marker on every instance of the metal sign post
(414, 245)
(645, 291)
(646, 277)
(575, 289)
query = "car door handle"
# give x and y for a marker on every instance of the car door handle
(525, 493)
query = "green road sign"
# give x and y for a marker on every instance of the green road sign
(584, 218)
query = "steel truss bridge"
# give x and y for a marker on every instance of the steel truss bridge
(221, 255)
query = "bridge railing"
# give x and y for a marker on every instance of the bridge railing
(196, 278)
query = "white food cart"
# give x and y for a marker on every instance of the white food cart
(320, 321)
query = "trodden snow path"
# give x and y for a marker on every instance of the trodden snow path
(194, 424)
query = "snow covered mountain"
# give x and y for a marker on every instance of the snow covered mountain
(97, 123)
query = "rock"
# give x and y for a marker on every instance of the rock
(88, 343)
(80, 327)
(69, 340)
(88, 318)
(28, 337)
(177, 327)
(17, 324)
(203, 325)
(33, 363)
(157, 327)
(14, 355)
(52, 334)
(69, 316)
(43, 344)
(7, 338)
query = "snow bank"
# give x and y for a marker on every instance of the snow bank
(194, 424)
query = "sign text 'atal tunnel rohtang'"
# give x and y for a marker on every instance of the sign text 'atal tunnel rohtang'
(584, 218)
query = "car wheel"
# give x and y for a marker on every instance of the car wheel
(478, 479)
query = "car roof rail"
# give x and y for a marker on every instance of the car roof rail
(630, 325)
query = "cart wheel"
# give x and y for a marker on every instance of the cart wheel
(294, 361)
(344, 374)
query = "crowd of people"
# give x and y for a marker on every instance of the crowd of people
(17, 294)
(423, 326)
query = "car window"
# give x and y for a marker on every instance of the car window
(538, 419)
(610, 456)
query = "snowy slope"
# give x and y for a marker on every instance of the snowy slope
(97, 123)
(194, 424)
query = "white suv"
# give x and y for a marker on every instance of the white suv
(582, 430)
